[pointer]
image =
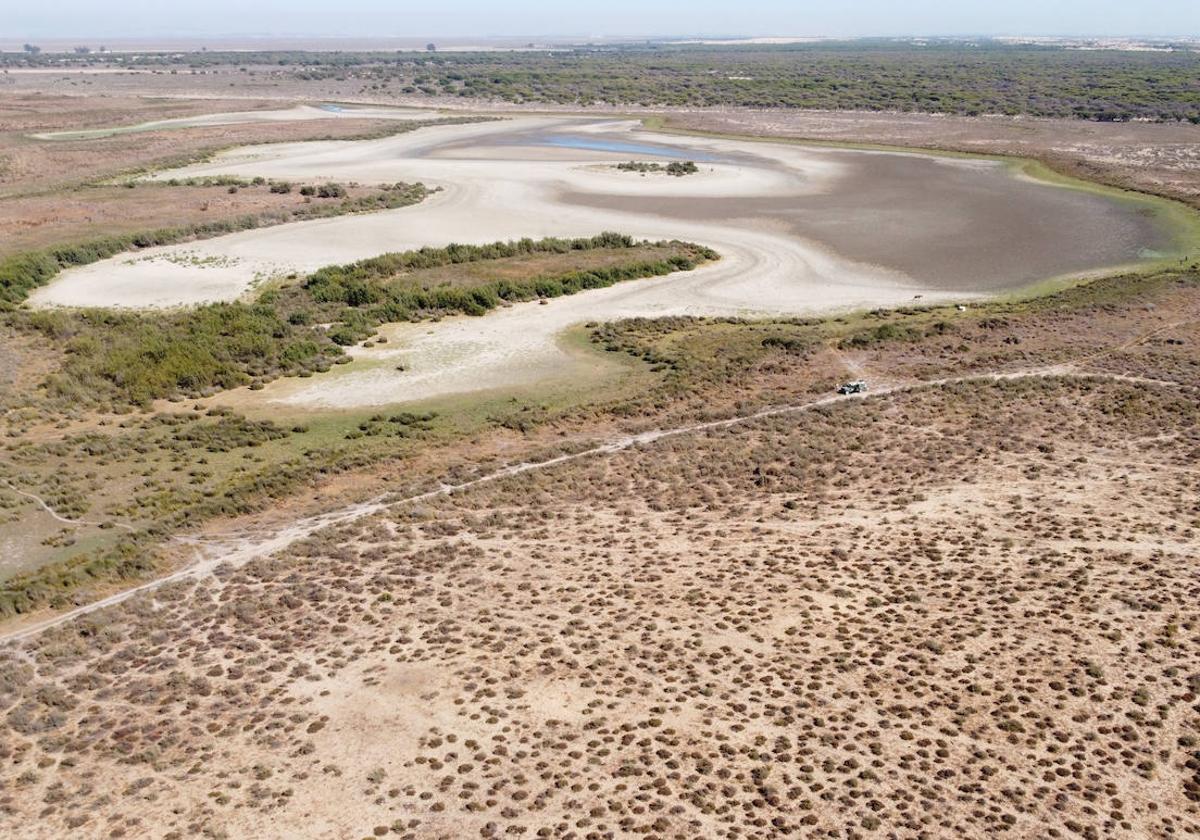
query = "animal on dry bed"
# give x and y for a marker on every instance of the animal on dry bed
(967, 611)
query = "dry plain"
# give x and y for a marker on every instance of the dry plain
(755, 630)
(962, 606)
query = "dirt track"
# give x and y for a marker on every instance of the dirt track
(234, 551)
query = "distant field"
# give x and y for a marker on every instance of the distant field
(949, 77)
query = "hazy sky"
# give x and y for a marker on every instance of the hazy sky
(139, 18)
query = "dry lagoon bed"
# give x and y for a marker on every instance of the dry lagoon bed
(799, 230)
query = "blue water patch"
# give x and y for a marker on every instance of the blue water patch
(593, 144)
(329, 106)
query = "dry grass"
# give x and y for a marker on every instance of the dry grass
(960, 611)
(60, 192)
(911, 615)
(31, 166)
(94, 212)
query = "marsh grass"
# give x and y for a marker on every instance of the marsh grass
(185, 467)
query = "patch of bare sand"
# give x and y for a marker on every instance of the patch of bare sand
(297, 113)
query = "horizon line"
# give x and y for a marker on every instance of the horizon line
(584, 38)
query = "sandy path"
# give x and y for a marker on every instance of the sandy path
(236, 550)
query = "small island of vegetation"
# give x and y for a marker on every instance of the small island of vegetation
(676, 168)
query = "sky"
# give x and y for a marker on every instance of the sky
(595, 18)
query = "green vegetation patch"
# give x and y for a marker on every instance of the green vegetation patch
(229, 433)
(676, 168)
(131, 558)
(132, 359)
(388, 288)
(159, 472)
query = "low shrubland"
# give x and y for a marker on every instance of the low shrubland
(130, 358)
(201, 466)
(127, 358)
(389, 288)
(187, 466)
(942, 76)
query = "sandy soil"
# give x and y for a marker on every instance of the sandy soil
(860, 246)
(957, 607)
(31, 167)
(296, 114)
(956, 632)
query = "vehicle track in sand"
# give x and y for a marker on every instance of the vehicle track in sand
(66, 520)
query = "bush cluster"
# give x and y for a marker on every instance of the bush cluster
(364, 294)
(133, 358)
(676, 168)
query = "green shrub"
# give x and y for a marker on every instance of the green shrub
(133, 358)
